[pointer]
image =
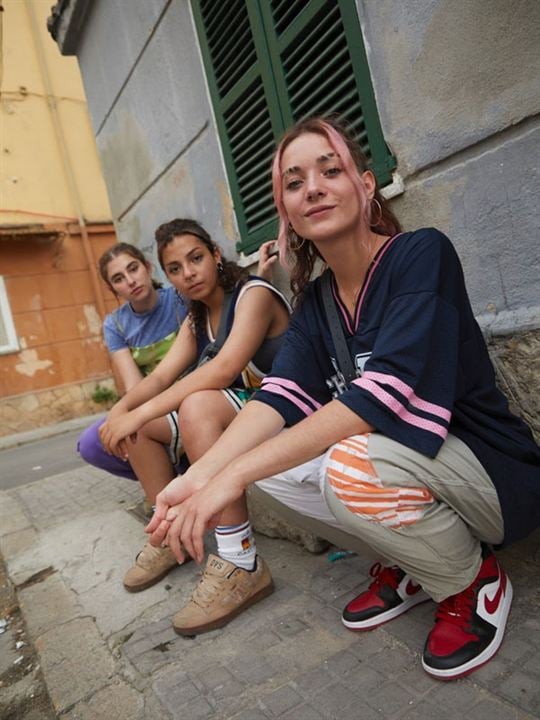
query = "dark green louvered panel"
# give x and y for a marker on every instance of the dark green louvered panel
(270, 63)
(230, 41)
(251, 141)
(319, 74)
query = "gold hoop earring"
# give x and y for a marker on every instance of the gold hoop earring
(374, 223)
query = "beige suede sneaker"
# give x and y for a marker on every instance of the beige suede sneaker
(151, 565)
(222, 593)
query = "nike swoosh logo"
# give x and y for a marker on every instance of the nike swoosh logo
(412, 588)
(491, 604)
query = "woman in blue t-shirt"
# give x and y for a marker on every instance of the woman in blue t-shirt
(402, 438)
(137, 334)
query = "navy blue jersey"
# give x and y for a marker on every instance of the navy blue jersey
(422, 364)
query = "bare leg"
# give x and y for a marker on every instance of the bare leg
(203, 417)
(149, 458)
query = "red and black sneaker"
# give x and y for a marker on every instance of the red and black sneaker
(392, 593)
(469, 626)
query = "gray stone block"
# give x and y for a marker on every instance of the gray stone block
(281, 701)
(523, 690)
(17, 542)
(118, 701)
(12, 515)
(48, 604)
(267, 521)
(75, 662)
(491, 709)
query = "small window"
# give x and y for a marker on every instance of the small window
(270, 63)
(8, 336)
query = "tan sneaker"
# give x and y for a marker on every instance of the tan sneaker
(151, 564)
(222, 593)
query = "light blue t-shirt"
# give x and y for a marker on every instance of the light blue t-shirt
(147, 335)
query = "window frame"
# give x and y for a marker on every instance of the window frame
(6, 318)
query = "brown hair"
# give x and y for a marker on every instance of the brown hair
(355, 163)
(122, 248)
(228, 276)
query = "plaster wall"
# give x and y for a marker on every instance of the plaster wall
(456, 85)
(33, 178)
(450, 73)
(153, 122)
(54, 311)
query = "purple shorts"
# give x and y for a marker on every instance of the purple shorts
(91, 450)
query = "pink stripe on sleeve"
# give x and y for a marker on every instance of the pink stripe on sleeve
(291, 385)
(399, 409)
(409, 393)
(277, 390)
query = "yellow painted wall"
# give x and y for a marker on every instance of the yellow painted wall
(37, 147)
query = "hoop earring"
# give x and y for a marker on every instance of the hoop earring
(220, 268)
(378, 205)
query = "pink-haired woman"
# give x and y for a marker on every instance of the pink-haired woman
(416, 452)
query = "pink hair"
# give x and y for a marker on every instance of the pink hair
(338, 144)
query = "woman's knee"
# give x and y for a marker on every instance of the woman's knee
(205, 406)
(89, 444)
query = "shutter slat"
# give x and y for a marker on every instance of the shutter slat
(248, 158)
(222, 60)
(234, 115)
(215, 18)
(339, 57)
(251, 163)
(319, 99)
(311, 36)
(287, 12)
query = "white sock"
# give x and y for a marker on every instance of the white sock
(236, 544)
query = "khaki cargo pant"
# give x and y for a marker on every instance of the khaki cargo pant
(426, 515)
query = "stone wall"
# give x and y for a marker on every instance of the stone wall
(20, 413)
(516, 358)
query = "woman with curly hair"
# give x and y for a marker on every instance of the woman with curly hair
(251, 316)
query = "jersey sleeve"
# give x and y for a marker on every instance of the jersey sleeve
(114, 339)
(408, 387)
(295, 387)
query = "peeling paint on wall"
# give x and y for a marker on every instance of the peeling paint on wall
(30, 363)
(227, 210)
(93, 320)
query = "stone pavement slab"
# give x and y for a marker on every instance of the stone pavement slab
(104, 653)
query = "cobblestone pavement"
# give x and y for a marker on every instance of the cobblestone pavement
(67, 541)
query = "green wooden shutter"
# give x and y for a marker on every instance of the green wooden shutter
(270, 63)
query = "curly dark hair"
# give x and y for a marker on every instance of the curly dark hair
(121, 248)
(229, 275)
(355, 163)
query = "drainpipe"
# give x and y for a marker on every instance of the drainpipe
(65, 157)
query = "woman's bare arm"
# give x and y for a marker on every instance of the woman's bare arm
(250, 327)
(125, 370)
(240, 458)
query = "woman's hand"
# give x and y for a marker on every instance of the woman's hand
(267, 258)
(197, 508)
(116, 429)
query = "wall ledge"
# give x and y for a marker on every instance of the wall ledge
(66, 23)
(509, 322)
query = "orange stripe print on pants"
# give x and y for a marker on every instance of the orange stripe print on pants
(355, 482)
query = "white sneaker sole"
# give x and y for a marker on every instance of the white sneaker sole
(376, 620)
